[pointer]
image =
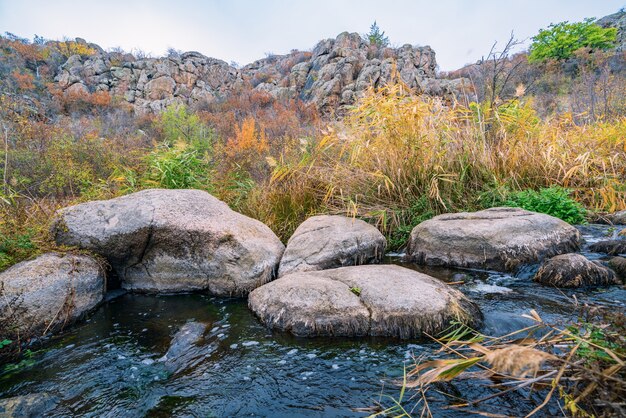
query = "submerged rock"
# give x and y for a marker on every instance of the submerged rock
(610, 247)
(174, 241)
(324, 242)
(371, 300)
(186, 336)
(49, 292)
(28, 406)
(501, 239)
(182, 344)
(574, 270)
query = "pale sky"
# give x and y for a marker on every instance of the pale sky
(460, 32)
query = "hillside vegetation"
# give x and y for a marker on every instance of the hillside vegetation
(555, 129)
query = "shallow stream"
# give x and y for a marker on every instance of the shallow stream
(108, 366)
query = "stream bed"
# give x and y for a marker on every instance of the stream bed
(109, 365)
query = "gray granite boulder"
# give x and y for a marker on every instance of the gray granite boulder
(499, 239)
(47, 293)
(574, 270)
(174, 241)
(325, 242)
(375, 300)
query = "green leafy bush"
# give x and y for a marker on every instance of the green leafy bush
(560, 40)
(554, 201)
(14, 248)
(177, 168)
(419, 211)
(177, 124)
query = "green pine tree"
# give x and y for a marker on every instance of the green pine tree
(376, 36)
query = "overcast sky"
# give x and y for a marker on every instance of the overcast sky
(460, 32)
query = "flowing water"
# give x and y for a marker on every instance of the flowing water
(109, 365)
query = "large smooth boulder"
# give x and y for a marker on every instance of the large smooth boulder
(326, 241)
(499, 239)
(574, 270)
(174, 241)
(376, 300)
(48, 293)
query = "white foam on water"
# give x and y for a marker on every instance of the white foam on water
(292, 352)
(249, 343)
(489, 288)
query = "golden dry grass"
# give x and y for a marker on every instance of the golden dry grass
(395, 149)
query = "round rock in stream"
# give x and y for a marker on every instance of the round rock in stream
(574, 270)
(376, 300)
(499, 239)
(325, 242)
(174, 241)
(618, 264)
(48, 292)
(610, 247)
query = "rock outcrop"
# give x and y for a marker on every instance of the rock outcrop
(326, 241)
(501, 239)
(574, 270)
(151, 84)
(174, 241)
(47, 293)
(373, 300)
(618, 21)
(331, 77)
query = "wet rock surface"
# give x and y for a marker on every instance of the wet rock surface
(574, 270)
(48, 293)
(325, 242)
(501, 239)
(28, 406)
(618, 265)
(610, 247)
(370, 300)
(174, 241)
(182, 345)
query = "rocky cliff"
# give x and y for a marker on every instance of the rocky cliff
(618, 21)
(332, 76)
